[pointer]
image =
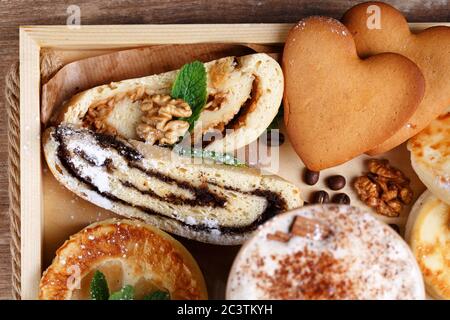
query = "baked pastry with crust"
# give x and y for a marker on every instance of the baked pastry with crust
(428, 234)
(244, 95)
(430, 156)
(208, 202)
(127, 252)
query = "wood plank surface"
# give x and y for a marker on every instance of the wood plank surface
(30, 180)
(15, 13)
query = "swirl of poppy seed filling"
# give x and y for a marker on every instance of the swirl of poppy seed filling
(203, 196)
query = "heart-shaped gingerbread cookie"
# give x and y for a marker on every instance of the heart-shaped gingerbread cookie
(377, 27)
(338, 106)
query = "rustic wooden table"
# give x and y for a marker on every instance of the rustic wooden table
(16, 13)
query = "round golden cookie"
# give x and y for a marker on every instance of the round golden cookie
(127, 252)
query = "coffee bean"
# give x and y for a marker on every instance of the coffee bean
(278, 139)
(320, 197)
(395, 227)
(336, 182)
(341, 198)
(311, 177)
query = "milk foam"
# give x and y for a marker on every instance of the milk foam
(368, 260)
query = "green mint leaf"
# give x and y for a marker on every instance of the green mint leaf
(275, 124)
(126, 293)
(190, 85)
(99, 287)
(158, 295)
(223, 158)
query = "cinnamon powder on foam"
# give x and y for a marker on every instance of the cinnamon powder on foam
(306, 275)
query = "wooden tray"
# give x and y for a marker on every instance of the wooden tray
(50, 213)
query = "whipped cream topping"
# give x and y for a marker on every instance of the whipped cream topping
(362, 258)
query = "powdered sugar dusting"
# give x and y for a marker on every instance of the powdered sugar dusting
(211, 223)
(94, 197)
(98, 177)
(334, 25)
(94, 153)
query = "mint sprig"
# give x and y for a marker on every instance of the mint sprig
(190, 85)
(99, 287)
(158, 295)
(218, 157)
(126, 293)
(275, 124)
(99, 291)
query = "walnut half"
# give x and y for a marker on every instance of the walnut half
(384, 188)
(96, 115)
(157, 123)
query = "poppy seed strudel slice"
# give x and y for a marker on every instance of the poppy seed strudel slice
(212, 203)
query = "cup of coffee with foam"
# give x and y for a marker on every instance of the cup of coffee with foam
(325, 252)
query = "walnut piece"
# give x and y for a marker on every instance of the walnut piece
(406, 195)
(385, 209)
(96, 116)
(99, 111)
(157, 123)
(382, 169)
(366, 188)
(384, 188)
